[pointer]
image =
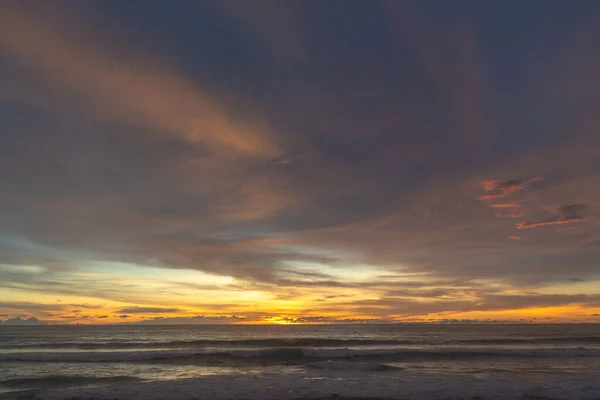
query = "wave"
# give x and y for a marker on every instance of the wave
(542, 340)
(301, 342)
(244, 343)
(352, 366)
(293, 356)
(64, 380)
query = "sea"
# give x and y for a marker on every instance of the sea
(219, 362)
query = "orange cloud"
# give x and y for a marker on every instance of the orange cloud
(162, 100)
(504, 205)
(507, 210)
(486, 197)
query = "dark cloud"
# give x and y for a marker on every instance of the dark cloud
(148, 310)
(33, 321)
(197, 320)
(88, 306)
(572, 208)
(124, 316)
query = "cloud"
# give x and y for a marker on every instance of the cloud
(572, 208)
(35, 307)
(87, 306)
(329, 320)
(505, 205)
(566, 215)
(102, 316)
(405, 307)
(504, 189)
(498, 190)
(567, 211)
(207, 178)
(197, 320)
(124, 316)
(33, 321)
(128, 93)
(148, 310)
(553, 221)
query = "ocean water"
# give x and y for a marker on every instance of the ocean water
(403, 361)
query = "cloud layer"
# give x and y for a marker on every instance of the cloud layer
(289, 163)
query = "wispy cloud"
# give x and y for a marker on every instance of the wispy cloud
(565, 215)
(162, 100)
(505, 205)
(553, 221)
(502, 189)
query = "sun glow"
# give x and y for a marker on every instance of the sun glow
(280, 321)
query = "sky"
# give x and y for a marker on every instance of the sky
(275, 161)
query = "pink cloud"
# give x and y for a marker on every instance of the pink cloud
(554, 221)
(504, 188)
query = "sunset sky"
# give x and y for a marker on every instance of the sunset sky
(299, 161)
